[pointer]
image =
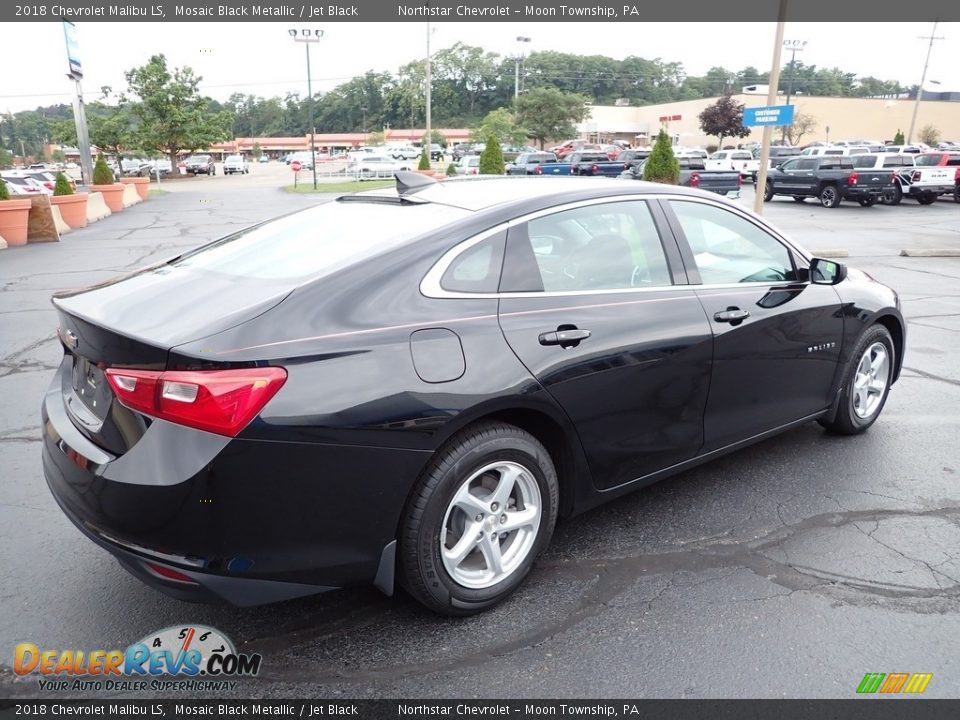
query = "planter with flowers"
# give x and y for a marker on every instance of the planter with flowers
(103, 183)
(73, 205)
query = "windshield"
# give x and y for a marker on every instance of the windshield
(320, 241)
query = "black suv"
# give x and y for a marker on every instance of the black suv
(200, 164)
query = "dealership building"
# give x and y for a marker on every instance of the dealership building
(836, 118)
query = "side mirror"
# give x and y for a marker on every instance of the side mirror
(827, 272)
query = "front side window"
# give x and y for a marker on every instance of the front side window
(729, 248)
(609, 246)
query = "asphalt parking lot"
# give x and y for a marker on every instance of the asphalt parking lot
(789, 569)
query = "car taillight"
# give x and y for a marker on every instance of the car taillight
(852, 178)
(893, 178)
(956, 176)
(48, 185)
(915, 176)
(594, 169)
(739, 180)
(218, 401)
(538, 170)
(695, 180)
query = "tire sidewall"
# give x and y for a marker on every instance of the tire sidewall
(437, 581)
(836, 196)
(876, 333)
(768, 192)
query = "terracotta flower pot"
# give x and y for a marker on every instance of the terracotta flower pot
(13, 221)
(112, 195)
(73, 208)
(142, 183)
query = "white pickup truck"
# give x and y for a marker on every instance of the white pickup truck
(741, 161)
(934, 174)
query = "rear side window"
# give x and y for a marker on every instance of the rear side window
(609, 246)
(319, 241)
(928, 160)
(476, 269)
(865, 161)
(896, 161)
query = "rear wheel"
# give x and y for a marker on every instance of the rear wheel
(829, 196)
(768, 192)
(478, 519)
(895, 197)
(926, 199)
(866, 383)
(956, 194)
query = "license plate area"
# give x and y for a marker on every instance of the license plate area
(89, 396)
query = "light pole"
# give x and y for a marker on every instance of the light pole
(794, 46)
(771, 100)
(923, 77)
(425, 143)
(308, 37)
(518, 58)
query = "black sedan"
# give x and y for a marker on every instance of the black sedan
(411, 385)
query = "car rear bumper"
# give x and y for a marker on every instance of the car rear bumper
(260, 521)
(931, 189)
(863, 193)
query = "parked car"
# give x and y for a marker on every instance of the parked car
(592, 162)
(264, 158)
(436, 152)
(135, 167)
(460, 150)
(831, 179)
(372, 166)
(741, 161)
(304, 157)
(886, 162)
(542, 352)
(404, 152)
(934, 174)
(235, 164)
(631, 157)
(527, 163)
(26, 185)
(17, 189)
(694, 174)
(469, 165)
(200, 165)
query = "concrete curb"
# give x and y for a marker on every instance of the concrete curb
(831, 253)
(930, 252)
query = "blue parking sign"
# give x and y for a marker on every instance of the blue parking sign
(774, 116)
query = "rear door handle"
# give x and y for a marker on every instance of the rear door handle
(564, 338)
(732, 315)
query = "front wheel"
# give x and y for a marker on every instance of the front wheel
(829, 196)
(768, 192)
(478, 518)
(895, 197)
(866, 383)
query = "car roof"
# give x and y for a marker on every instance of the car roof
(484, 192)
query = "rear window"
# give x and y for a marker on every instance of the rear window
(865, 161)
(319, 241)
(928, 159)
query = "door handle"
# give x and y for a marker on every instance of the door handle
(564, 338)
(732, 315)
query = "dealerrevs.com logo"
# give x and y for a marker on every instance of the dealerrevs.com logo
(186, 657)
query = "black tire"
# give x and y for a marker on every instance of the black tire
(867, 202)
(956, 194)
(830, 196)
(768, 192)
(847, 421)
(927, 199)
(895, 198)
(421, 569)
(799, 198)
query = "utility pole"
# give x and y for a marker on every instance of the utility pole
(425, 145)
(916, 105)
(307, 37)
(79, 113)
(771, 100)
(517, 59)
(794, 46)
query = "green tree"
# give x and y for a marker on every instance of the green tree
(257, 150)
(662, 165)
(102, 174)
(898, 139)
(548, 113)
(424, 163)
(502, 124)
(724, 119)
(929, 135)
(171, 113)
(803, 123)
(62, 186)
(4, 193)
(452, 169)
(57, 156)
(491, 159)
(6, 159)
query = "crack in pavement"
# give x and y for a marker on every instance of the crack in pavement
(931, 376)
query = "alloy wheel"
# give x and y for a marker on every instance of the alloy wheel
(491, 524)
(870, 381)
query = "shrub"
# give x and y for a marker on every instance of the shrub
(452, 169)
(424, 160)
(102, 174)
(662, 165)
(4, 193)
(62, 186)
(898, 139)
(711, 149)
(491, 159)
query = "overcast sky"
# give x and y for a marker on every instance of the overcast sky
(260, 58)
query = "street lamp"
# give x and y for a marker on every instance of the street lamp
(794, 46)
(926, 63)
(518, 58)
(309, 36)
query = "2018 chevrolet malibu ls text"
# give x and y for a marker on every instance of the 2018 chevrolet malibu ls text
(411, 385)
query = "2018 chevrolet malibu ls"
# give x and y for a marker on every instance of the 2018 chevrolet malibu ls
(414, 383)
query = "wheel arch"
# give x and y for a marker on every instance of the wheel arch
(897, 331)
